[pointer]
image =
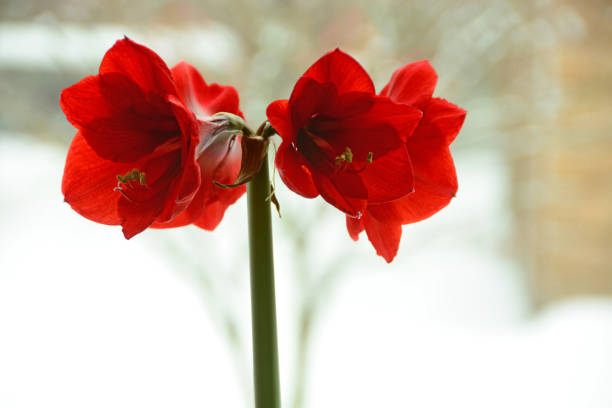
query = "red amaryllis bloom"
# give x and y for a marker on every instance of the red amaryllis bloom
(147, 148)
(435, 179)
(340, 139)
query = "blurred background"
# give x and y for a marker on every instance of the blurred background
(503, 299)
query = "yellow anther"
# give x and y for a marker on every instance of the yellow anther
(370, 157)
(133, 175)
(346, 156)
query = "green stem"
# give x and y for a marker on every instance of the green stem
(263, 304)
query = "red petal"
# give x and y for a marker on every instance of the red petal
(205, 215)
(139, 64)
(429, 197)
(354, 227)
(141, 205)
(294, 172)
(308, 98)
(211, 216)
(434, 169)
(442, 121)
(89, 181)
(119, 121)
(135, 218)
(89, 186)
(344, 106)
(280, 119)
(311, 98)
(412, 84)
(379, 129)
(389, 178)
(435, 181)
(291, 165)
(201, 98)
(187, 216)
(435, 185)
(385, 237)
(415, 207)
(403, 118)
(220, 161)
(428, 147)
(185, 185)
(343, 188)
(375, 132)
(343, 71)
(344, 191)
(214, 212)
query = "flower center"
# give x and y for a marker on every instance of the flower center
(132, 184)
(133, 175)
(344, 159)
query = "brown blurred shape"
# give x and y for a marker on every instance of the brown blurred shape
(566, 225)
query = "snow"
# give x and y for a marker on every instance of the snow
(88, 319)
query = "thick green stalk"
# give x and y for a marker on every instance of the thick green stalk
(263, 304)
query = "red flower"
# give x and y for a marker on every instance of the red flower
(340, 139)
(147, 149)
(435, 180)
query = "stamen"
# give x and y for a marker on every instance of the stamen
(349, 155)
(133, 175)
(369, 160)
(346, 156)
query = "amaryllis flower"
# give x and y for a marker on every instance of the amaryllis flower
(435, 179)
(149, 144)
(341, 140)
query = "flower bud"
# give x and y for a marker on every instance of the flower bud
(254, 150)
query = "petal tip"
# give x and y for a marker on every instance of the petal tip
(389, 259)
(128, 234)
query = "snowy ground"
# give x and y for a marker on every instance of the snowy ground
(90, 320)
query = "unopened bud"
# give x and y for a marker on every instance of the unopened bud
(254, 151)
(229, 121)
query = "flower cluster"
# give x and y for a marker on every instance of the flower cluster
(149, 145)
(381, 159)
(155, 146)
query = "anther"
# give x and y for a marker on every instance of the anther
(133, 175)
(346, 156)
